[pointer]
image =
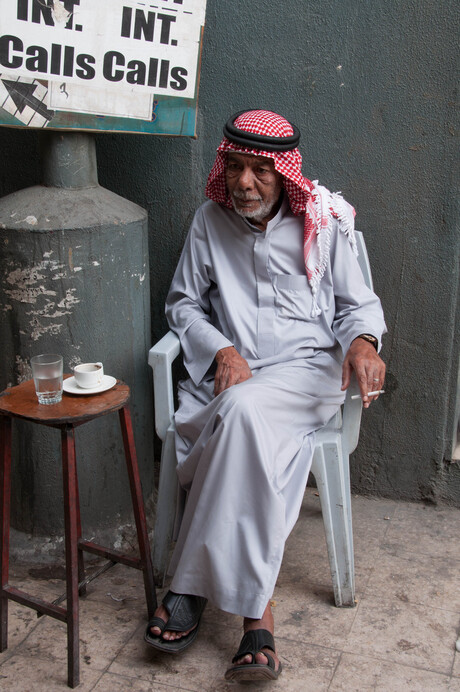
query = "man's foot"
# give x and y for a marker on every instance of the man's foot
(266, 622)
(258, 659)
(175, 623)
(168, 635)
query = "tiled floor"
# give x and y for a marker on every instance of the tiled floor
(401, 635)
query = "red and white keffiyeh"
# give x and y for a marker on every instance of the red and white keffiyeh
(305, 197)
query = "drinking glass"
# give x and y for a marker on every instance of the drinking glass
(47, 372)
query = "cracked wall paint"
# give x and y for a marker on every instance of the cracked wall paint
(73, 361)
(23, 370)
(28, 287)
(31, 220)
(69, 301)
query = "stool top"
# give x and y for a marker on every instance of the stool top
(21, 402)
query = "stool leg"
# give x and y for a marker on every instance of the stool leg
(71, 552)
(5, 499)
(81, 561)
(138, 507)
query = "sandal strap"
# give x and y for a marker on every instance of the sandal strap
(271, 661)
(184, 610)
(253, 642)
(155, 621)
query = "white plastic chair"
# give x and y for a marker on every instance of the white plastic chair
(330, 467)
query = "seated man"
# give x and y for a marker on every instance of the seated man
(266, 299)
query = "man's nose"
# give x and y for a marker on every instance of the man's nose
(246, 179)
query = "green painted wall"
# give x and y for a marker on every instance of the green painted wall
(372, 88)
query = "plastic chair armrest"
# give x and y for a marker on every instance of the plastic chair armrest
(352, 410)
(161, 357)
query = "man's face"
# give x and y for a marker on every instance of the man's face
(254, 186)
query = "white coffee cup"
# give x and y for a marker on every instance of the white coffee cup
(88, 375)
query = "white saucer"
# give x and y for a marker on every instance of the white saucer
(71, 387)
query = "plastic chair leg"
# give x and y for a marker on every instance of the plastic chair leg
(331, 471)
(166, 507)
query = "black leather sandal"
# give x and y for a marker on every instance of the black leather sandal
(252, 643)
(184, 614)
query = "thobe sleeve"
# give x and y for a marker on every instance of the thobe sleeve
(188, 307)
(357, 308)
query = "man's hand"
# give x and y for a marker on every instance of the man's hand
(231, 369)
(369, 368)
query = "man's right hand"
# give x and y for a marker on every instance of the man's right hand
(231, 369)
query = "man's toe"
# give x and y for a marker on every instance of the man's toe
(263, 660)
(156, 631)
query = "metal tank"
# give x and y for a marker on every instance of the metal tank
(74, 279)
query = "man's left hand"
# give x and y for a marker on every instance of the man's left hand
(232, 368)
(369, 368)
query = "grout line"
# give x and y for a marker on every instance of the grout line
(158, 685)
(339, 661)
(398, 663)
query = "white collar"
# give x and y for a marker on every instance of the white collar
(284, 208)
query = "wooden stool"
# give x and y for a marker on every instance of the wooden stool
(21, 402)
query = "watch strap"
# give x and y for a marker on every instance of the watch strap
(370, 339)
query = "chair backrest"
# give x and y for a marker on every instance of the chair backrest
(363, 259)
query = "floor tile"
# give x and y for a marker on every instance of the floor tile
(191, 670)
(454, 685)
(110, 682)
(363, 674)
(401, 635)
(456, 666)
(24, 674)
(416, 578)
(306, 559)
(304, 668)
(46, 589)
(309, 616)
(371, 510)
(202, 667)
(103, 631)
(21, 621)
(425, 529)
(404, 633)
(120, 587)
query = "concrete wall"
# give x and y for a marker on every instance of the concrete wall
(371, 87)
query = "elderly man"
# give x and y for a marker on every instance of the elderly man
(273, 316)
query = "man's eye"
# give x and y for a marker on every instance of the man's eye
(262, 171)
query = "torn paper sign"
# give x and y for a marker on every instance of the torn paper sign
(65, 96)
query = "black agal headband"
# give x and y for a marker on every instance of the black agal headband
(251, 140)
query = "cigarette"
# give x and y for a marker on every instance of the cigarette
(377, 391)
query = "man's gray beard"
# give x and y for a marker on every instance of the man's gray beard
(258, 215)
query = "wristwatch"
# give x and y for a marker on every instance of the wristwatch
(371, 339)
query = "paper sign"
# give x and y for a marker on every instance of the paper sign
(115, 65)
(26, 99)
(78, 99)
(133, 45)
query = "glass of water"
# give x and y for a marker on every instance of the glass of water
(47, 372)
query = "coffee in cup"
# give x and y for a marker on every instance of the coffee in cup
(88, 375)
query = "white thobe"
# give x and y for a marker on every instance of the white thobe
(244, 456)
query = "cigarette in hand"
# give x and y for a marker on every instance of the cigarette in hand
(378, 391)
